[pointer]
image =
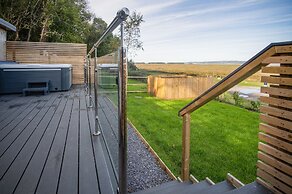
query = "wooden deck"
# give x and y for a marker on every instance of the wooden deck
(46, 146)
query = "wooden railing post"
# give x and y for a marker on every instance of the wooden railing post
(186, 132)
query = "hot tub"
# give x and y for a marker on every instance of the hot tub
(14, 77)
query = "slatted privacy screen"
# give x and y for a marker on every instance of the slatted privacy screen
(275, 148)
(49, 53)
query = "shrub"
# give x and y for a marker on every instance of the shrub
(255, 105)
(237, 99)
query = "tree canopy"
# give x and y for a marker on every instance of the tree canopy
(132, 33)
(63, 21)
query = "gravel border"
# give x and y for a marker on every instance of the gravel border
(143, 170)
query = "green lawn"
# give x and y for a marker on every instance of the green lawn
(223, 136)
(251, 83)
(141, 87)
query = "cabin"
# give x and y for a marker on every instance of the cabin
(76, 141)
(4, 27)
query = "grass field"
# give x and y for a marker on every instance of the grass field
(223, 137)
(215, 70)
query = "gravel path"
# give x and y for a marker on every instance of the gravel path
(143, 169)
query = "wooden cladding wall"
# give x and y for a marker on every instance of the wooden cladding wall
(178, 87)
(275, 148)
(49, 53)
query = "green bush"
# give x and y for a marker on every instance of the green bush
(255, 105)
(237, 99)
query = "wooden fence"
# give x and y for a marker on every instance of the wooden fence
(49, 53)
(275, 160)
(178, 87)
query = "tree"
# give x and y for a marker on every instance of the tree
(132, 33)
(47, 20)
(96, 29)
(66, 21)
(20, 14)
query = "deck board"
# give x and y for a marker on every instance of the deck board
(108, 183)
(19, 120)
(87, 171)
(33, 172)
(11, 110)
(14, 172)
(68, 182)
(47, 184)
(46, 146)
(13, 144)
(13, 114)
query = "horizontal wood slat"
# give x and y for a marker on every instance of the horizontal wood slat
(275, 159)
(276, 112)
(283, 49)
(273, 181)
(276, 121)
(49, 53)
(275, 163)
(276, 131)
(275, 142)
(277, 70)
(277, 80)
(274, 172)
(277, 91)
(278, 59)
(276, 101)
(275, 152)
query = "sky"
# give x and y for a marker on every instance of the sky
(204, 30)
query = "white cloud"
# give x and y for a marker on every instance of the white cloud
(189, 30)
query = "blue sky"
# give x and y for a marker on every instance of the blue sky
(196, 30)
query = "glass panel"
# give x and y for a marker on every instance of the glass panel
(107, 97)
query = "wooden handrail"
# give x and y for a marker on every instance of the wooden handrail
(242, 72)
(272, 53)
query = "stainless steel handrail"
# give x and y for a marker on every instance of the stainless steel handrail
(122, 94)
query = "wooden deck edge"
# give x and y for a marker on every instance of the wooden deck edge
(158, 159)
(234, 181)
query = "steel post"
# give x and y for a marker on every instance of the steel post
(122, 110)
(89, 84)
(95, 84)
